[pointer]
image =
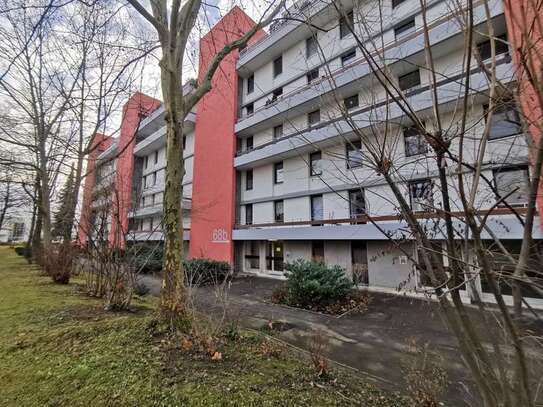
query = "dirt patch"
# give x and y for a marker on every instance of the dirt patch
(355, 302)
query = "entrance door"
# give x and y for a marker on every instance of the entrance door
(359, 254)
(274, 257)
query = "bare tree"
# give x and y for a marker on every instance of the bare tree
(174, 23)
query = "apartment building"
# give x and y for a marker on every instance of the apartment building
(306, 180)
(276, 172)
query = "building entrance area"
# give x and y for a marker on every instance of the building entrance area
(275, 257)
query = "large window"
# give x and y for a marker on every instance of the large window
(278, 131)
(311, 46)
(351, 102)
(404, 29)
(278, 173)
(249, 109)
(252, 255)
(485, 48)
(276, 94)
(348, 57)
(317, 209)
(354, 154)
(250, 84)
(505, 121)
(409, 81)
(313, 118)
(312, 75)
(278, 66)
(278, 212)
(357, 203)
(421, 195)
(248, 180)
(317, 251)
(346, 24)
(249, 214)
(414, 142)
(315, 161)
(512, 183)
(249, 143)
(396, 3)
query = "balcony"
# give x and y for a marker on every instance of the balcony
(150, 235)
(444, 33)
(150, 210)
(157, 139)
(503, 224)
(330, 132)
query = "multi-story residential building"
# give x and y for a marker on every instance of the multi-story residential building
(279, 174)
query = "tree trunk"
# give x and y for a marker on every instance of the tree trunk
(173, 287)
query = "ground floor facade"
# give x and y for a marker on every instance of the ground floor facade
(378, 265)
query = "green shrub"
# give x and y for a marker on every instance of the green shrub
(23, 251)
(311, 283)
(145, 257)
(206, 271)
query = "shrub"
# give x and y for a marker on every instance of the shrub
(311, 283)
(145, 257)
(23, 251)
(206, 271)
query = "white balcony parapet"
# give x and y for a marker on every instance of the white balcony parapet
(443, 28)
(328, 132)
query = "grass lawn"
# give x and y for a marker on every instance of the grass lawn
(58, 347)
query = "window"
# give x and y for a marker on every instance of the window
(312, 75)
(348, 56)
(146, 161)
(156, 157)
(278, 212)
(153, 197)
(252, 255)
(249, 214)
(278, 173)
(354, 154)
(277, 93)
(514, 181)
(357, 204)
(351, 102)
(346, 24)
(248, 180)
(396, 3)
(184, 142)
(311, 46)
(249, 143)
(145, 182)
(143, 202)
(505, 121)
(151, 224)
(421, 195)
(278, 131)
(485, 48)
(278, 66)
(409, 81)
(250, 84)
(313, 118)
(250, 109)
(414, 142)
(317, 210)
(317, 251)
(315, 163)
(404, 29)
(154, 179)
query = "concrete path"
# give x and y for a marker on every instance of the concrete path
(376, 342)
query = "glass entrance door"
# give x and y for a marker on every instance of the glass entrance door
(274, 257)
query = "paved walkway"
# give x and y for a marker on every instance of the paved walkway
(375, 342)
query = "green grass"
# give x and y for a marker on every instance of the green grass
(59, 348)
